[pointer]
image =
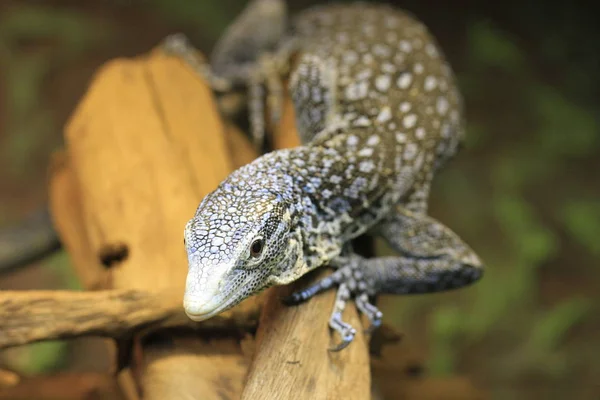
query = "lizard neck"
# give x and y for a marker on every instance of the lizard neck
(338, 186)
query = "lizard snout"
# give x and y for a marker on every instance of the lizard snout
(204, 295)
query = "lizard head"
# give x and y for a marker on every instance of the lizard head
(237, 245)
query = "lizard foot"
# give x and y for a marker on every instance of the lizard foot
(179, 45)
(351, 283)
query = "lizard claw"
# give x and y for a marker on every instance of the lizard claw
(346, 331)
(372, 312)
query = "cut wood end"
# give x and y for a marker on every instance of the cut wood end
(146, 145)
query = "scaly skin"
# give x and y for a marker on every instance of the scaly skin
(378, 112)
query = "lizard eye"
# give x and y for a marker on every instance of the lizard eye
(257, 247)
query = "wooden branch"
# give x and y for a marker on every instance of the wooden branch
(30, 316)
(292, 360)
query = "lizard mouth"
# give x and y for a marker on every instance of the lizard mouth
(212, 299)
(199, 310)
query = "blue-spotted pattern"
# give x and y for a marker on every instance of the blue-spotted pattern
(378, 112)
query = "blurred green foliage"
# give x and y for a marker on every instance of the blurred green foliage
(30, 123)
(67, 35)
(500, 216)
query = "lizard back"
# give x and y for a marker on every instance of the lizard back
(386, 73)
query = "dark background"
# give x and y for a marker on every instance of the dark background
(524, 193)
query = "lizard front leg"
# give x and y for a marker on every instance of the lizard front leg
(432, 259)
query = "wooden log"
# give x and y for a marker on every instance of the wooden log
(67, 212)
(145, 145)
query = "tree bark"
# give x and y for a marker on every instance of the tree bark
(31, 316)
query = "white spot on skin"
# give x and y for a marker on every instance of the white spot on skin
(400, 137)
(446, 131)
(384, 115)
(404, 81)
(366, 152)
(383, 82)
(350, 57)
(405, 46)
(419, 161)
(431, 50)
(357, 91)
(368, 30)
(362, 121)
(373, 140)
(410, 151)
(430, 83)
(405, 106)
(388, 68)
(442, 105)
(366, 166)
(352, 140)
(381, 50)
(409, 121)
(420, 133)
(364, 74)
(418, 68)
(391, 22)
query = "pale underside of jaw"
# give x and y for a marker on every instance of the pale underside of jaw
(200, 308)
(200, 311)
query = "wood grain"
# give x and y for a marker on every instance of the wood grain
(145, 145)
